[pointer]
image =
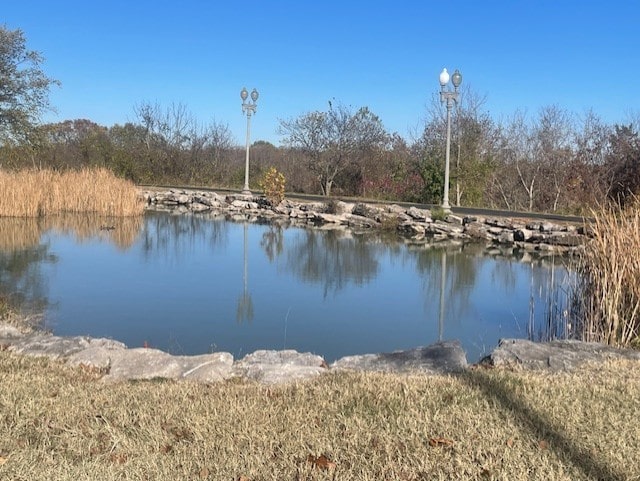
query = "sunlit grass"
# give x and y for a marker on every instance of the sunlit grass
(39, 193)
(65, 424)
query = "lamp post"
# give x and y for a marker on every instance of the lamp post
(248, 108)
(450, 97)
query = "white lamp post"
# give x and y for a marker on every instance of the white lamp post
(248, 108)
(450, 97)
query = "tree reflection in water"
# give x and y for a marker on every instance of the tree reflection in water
(24, 250)
(334, 258)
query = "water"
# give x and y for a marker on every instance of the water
(193, 285)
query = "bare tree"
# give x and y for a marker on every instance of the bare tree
(332, 141)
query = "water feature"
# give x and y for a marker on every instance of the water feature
(193, 284)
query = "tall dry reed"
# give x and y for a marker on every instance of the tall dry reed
(38, 193)
(608, 291)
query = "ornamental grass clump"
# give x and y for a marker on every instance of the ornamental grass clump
(608, 293)
(42, 192)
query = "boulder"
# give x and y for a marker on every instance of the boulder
(54, 347)
(522, 235)
(366, 210)
(322, 218)
(455, 219)
(565, 355)
(274, 367)
(145, 363)
(442, 357)
(477, 231)
(418, 214)
(506, 237)
(359, 221)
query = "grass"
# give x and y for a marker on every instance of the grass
(608, 300)
(39, 193)
(63, 423)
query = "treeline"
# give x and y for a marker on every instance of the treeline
(553, 161)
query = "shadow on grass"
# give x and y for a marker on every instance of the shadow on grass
(540, 427)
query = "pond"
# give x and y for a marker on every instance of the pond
(192, 284)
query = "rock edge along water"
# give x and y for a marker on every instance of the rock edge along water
(117, 362)
(413, 222)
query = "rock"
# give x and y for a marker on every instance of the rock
(359, 221)
(567, 240)
(272, 367)
(202, 199)
(329, 218)
(442, 357)
(550, 227)
(477, 231)
(366, 210)
(412, 228)
(144, 363)
(445, 228)
(455, 219)
(96, 357)
(564, 355)
(54, 347)
(340, 207)
(418, 214)
(522, 235)
(181, 199)
(506, 237)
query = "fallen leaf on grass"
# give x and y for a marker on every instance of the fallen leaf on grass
(510, 442)
(243, 478)
(3, 460)
(118, 458)
(166, 449)
(438, 441)
(204, 473)
(321, 462)
(543, 444)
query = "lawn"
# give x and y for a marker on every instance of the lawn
(64, 423)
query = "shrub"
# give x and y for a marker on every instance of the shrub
(438, 213)
(273, 185)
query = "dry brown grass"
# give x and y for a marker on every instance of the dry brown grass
(37, 193)
(609, 281)
(59, 423)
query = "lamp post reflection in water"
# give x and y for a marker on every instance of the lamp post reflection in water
(443, 285)
(245, 304)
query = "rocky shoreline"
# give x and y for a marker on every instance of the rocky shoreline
(418, 225)
(115, 362)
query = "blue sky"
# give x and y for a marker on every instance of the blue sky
(385, 55)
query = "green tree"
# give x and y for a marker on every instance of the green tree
(24, 87)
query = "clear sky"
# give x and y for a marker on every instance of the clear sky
(384, 54)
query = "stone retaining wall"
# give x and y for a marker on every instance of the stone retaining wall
(414, 223)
